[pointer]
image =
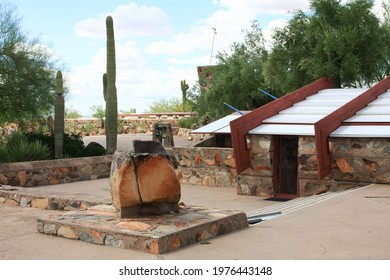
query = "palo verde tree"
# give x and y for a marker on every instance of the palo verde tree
(110, 90)
(346, 42)
(27, 71)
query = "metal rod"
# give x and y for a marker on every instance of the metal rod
(259, 218)
(231, 107)
(270, 95)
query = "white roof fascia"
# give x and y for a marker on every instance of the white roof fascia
(375, 131)
(294, 119)
(283, 129)
(369, 119)
(217, 125)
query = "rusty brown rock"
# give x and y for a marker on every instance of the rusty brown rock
(41, 203)
(344, 166)
(124, 187)
(22, 176)
(144, 184)
(230, 162)
(157, 180)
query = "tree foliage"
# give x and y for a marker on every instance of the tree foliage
(346, 42)
(168, 106)
(237, 77)
(71, 113)
(27, 71)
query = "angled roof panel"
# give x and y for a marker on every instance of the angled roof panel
(308, 111)
(294, 119)
(283, 129)
(377, 131)
(370, 119)
(222, 124)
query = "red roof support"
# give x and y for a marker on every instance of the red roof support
(240, 127)
(324, 127)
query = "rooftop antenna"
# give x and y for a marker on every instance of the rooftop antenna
(212, 46)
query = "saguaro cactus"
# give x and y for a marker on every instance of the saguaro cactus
(184, 87)
(104, 86)
(59, 117)
(111, 98)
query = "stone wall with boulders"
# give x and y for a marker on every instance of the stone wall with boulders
(186, 133)
(257, 180)
(355, 162)
(360, 161)
(51, 172)
(308, 169)
(214, 167)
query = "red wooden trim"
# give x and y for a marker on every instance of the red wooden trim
(239, 127)
(324, 127)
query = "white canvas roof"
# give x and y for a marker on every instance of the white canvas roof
(219, 126)
(368, 122)
(300, 118)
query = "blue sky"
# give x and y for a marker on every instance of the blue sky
(158, 42)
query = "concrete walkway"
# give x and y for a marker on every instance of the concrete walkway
(349, 225)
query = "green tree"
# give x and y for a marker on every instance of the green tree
(237, 77)
(71, 113)
(99, 112)
(167, 106)
(346, 42)
(130, 111)
(27, 71)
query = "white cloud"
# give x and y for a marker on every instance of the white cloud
(128, 20)
(270, 29)
(265, 6)
(138, 83)
(230, 20)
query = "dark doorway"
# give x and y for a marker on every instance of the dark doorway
(286, 166)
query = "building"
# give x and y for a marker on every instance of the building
(313, 140)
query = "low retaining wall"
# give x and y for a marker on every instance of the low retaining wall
(355, 162)
(207, 166)
(214, 167)
(51, 172)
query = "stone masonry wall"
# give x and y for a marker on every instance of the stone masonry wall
(214, 167)
(257, 180)
(355, 162)
(50, 172)
(360, 161)
(308, 168)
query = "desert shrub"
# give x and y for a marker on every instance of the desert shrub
(3, 154)
(38, 146)
(194, 122)
(189, 122)
(18, 148)
(94, 149)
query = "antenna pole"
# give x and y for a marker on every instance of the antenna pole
(212, 46)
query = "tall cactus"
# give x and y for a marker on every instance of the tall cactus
(184, 88)
(111, 98)
(59, 109)
(104, 86)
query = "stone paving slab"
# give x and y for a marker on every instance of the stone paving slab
(101, 225)
(19, 196)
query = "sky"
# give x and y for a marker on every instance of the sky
(158, 42)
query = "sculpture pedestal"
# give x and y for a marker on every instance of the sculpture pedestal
(152, 234)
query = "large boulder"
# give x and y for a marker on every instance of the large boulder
(144, 183)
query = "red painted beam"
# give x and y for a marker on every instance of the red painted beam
(242, 125)
(324, 127)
